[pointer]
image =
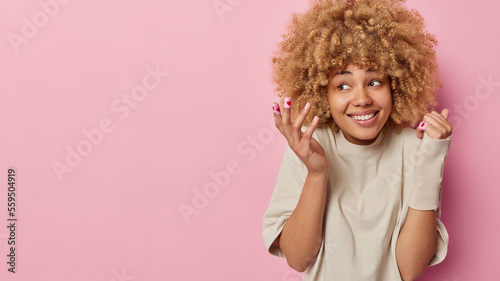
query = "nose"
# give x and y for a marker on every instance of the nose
(361, 98)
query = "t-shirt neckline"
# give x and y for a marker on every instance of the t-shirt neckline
(346, 146)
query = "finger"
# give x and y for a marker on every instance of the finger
(307, 135)
(422, 126)
(293, 130)
(287, 126)
(434, 128)
(445, 113)
(287, 103)
(421, 129)
(420, 133)
(437, 115)
(299, 121)
(442, 120)
(439, 118)
(432, 120)
(277, 117)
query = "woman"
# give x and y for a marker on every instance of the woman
(358, 194)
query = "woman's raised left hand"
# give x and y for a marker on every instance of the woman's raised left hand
(437, 125)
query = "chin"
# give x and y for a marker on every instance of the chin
(367, 138)
(370, 135)
(362, 137)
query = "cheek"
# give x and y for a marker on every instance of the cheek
(336, 103)
(385, 101)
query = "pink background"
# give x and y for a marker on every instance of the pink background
(115, 216)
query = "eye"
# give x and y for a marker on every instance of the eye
(343, 87)
(375, 83)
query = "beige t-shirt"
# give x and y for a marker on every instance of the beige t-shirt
(369, 192)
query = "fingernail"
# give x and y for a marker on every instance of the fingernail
(287, 103)
(315, 118)
(422, 126)
(276, 109)
(307, 104)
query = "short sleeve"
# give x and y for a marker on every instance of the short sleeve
(442, 244)
(286, 194)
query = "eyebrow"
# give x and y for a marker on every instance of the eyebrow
(345, 72)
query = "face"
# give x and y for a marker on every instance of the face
(360, 102)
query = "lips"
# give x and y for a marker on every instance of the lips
(363, 116)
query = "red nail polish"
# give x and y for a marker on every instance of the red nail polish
(287, 102)
(276, 109)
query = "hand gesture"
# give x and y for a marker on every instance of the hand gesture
(435, 125)
(305, 147)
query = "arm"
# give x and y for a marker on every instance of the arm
(302, 234)
(417, 241)
(416, 244)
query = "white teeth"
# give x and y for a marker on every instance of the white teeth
(363, 117)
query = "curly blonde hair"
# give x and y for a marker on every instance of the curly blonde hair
(380, 34)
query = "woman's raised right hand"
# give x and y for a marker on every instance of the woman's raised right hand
(303, 144)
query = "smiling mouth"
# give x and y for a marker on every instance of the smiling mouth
(364, 117)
